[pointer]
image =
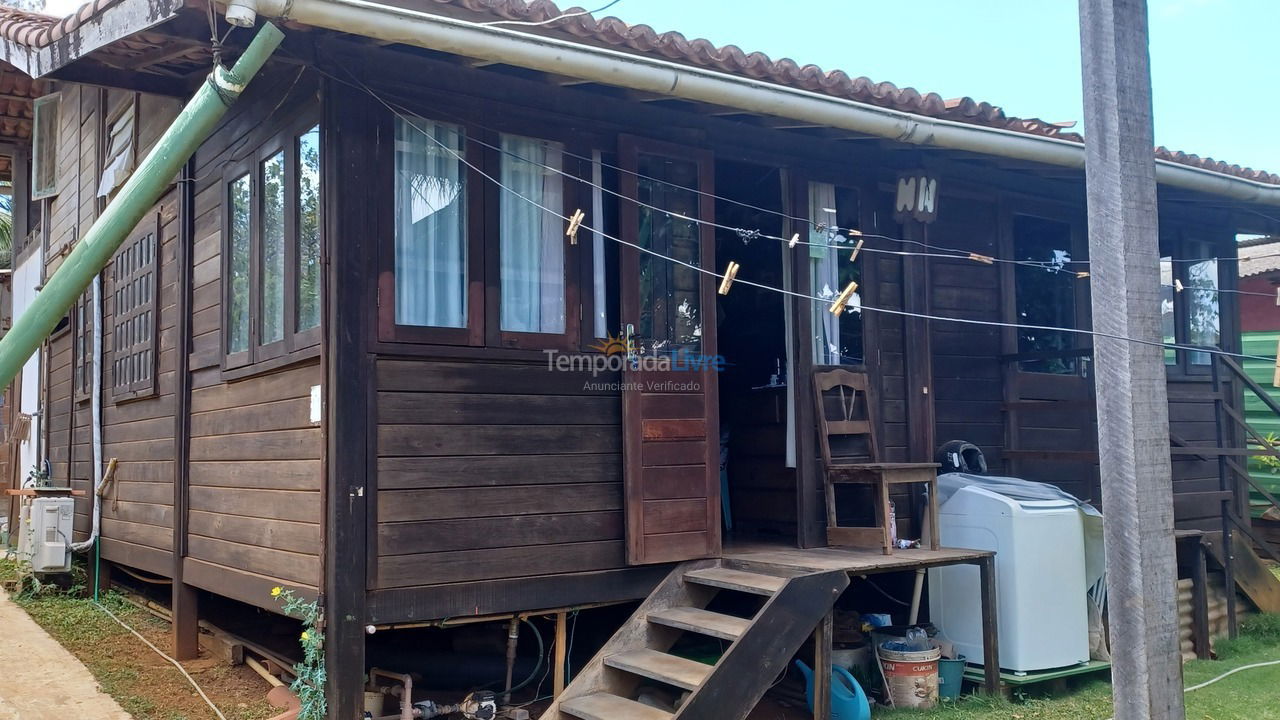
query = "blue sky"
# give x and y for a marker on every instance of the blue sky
(1214, 72)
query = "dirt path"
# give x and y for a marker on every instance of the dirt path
(40, 680)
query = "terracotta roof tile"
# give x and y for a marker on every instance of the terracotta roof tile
(37, 30)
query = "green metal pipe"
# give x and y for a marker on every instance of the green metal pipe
(126, 210)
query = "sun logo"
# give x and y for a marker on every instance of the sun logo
(611, 345)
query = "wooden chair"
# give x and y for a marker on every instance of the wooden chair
(846, 410)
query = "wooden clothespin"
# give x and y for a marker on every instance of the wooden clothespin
(730, 273)
(842, 300)
(1177, 285)
(854, 255)
(1082, 274)
(984, 259)
(575, 222)
(795, 240)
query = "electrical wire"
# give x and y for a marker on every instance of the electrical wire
(161, 653)
(1054, 266)
(548, 21)
(833, 231)
(888, 311)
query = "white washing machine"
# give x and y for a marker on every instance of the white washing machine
(1042, 609)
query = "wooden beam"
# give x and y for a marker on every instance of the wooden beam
(97, 74)
(1133, 412)
(185, 598)
(562, 641)
(349, 486)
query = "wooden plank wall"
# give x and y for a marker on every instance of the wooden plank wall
(137, 516)
(968, 389)
(254, 498)
(494, 470)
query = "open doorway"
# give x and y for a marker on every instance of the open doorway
(758, 476)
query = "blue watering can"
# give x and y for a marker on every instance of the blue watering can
(848, 702)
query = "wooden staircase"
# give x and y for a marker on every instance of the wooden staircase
(758, 651)
(1252, 575)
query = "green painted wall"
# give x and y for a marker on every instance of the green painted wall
(1258, 415)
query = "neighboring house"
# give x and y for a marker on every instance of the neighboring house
(326, 360)
(1260, 335)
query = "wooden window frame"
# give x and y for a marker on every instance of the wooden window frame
(295, 345)
(1082, 310)
(483, 330)
(151, 226)
(82, 348)
(45, 148)
(1183, 245)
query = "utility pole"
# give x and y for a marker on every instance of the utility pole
(1133, 410)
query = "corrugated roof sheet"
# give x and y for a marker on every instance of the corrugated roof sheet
(39, 30)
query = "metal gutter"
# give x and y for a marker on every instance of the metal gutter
(647, 74)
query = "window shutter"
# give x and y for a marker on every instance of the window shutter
(135, 282)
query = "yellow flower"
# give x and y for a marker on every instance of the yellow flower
(275, 591)
(306, 635)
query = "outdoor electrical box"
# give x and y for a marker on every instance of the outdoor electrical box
(45, 539)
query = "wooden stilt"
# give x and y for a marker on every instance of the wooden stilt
(822, 638)
(186, 622)
(562, 636)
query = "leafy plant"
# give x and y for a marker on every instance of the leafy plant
(1269, 462)
(310, 673)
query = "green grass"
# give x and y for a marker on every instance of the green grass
(1247, 695)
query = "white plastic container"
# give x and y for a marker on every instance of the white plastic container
(1042, 613)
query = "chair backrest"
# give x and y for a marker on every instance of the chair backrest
(846, 410)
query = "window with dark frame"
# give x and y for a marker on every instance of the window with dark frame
(1191, 316)
(44, 146)
(1045, 295)
(451, 238)
(135, 285)
(82, 351)
(272, 278)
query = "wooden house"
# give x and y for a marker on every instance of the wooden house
(353, 350)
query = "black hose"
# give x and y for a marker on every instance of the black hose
(541, 650)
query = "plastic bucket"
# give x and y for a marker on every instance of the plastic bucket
(950, 678)
(911, 677)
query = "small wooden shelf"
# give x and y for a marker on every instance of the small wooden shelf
(38, 492)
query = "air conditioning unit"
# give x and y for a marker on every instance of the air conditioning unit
(45, 534)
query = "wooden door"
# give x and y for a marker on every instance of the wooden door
(669, 399)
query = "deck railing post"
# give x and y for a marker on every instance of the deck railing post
(1228, 545)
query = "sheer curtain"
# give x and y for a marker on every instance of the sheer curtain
(824, 276)
(531, 245)
(431, 238)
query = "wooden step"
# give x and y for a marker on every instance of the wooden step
(747, 582)
(603, 706)
(725, 627)
(663, 667)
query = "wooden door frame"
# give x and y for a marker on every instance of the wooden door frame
(629, 148)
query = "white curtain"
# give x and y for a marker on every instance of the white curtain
(431, 237)
(532, 240)
(824, 276)
(600, 279)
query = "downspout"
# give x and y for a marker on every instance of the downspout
(95, 421)
(648, 74)
(140, 192)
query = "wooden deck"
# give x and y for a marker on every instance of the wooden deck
(852, 560)
(858, 562)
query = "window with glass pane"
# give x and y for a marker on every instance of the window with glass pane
(837, 340)
(272, 244)
(1203, 313)
(531, 239)
(240, 252)
(1045, 293)
(430, 224)
(1168, 315)
(670, 307)
(308, 208)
